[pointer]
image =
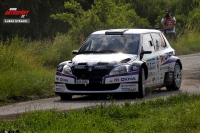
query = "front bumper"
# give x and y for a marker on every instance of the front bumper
(110, 84)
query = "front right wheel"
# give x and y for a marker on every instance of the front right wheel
(141, 84)
(177, 78)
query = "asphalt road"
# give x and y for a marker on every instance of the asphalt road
(190, 83)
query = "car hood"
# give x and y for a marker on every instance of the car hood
(105, 58)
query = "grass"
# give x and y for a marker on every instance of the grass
(28, 67)
(175, 114)
(187, 44)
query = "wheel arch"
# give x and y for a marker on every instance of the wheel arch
(179, 62)
(142, 64)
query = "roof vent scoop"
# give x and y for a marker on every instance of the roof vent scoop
(115, 32)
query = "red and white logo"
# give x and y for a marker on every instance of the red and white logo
(15, 12)
(116, 80)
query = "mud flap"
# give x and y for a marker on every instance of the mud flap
(168, 80)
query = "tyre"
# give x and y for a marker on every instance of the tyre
(65, 97)
(141, 84)
(177, 78)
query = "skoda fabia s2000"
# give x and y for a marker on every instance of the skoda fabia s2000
(120, 61)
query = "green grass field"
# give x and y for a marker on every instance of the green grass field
(176, 114)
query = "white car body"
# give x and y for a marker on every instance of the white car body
(153, 64)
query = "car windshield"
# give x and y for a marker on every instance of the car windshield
(100, 43)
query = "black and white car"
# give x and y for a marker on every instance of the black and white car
(120, 61)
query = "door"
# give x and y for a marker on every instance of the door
(162, 57)
(150, 59)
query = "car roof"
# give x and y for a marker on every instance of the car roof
(127, 31)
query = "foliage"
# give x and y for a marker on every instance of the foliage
(104, 14)
(174, 114)
(82, 17)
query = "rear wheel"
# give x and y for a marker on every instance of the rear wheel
(65, 97)
(177, 78)
(141, 84)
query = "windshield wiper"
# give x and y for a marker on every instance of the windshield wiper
(107, 51)
(87, 52)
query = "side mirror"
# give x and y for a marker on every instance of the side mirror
(75, 52)
(144, 52)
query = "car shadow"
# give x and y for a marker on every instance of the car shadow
(156, 93)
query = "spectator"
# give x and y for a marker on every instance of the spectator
(168, 22)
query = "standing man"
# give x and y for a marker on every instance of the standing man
(168, 22)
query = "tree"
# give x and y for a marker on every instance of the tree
(104, 14)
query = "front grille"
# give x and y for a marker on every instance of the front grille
(92, 87)
(94, 75)
(86, 74)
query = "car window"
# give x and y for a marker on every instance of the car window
(100, 43)
(158, 41)
(147, 43)
(163, 41)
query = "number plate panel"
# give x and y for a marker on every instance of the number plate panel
(82, 81)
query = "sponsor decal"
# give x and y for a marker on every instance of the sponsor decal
(152, 59)
(129, 89)
(162, 58)
(12, 13)
(128, 85)
(57, 78)
(60, 85)
(158, 65)
(155, 79)
(64, 79)
(148, 81)
(59, 89)
(151, 74)
(164, 68)
(116, 79)
(122, 79)
(128, 79)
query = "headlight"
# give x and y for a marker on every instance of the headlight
(67, 70)
(120, 70)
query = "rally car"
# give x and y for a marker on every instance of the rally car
(120, 61)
